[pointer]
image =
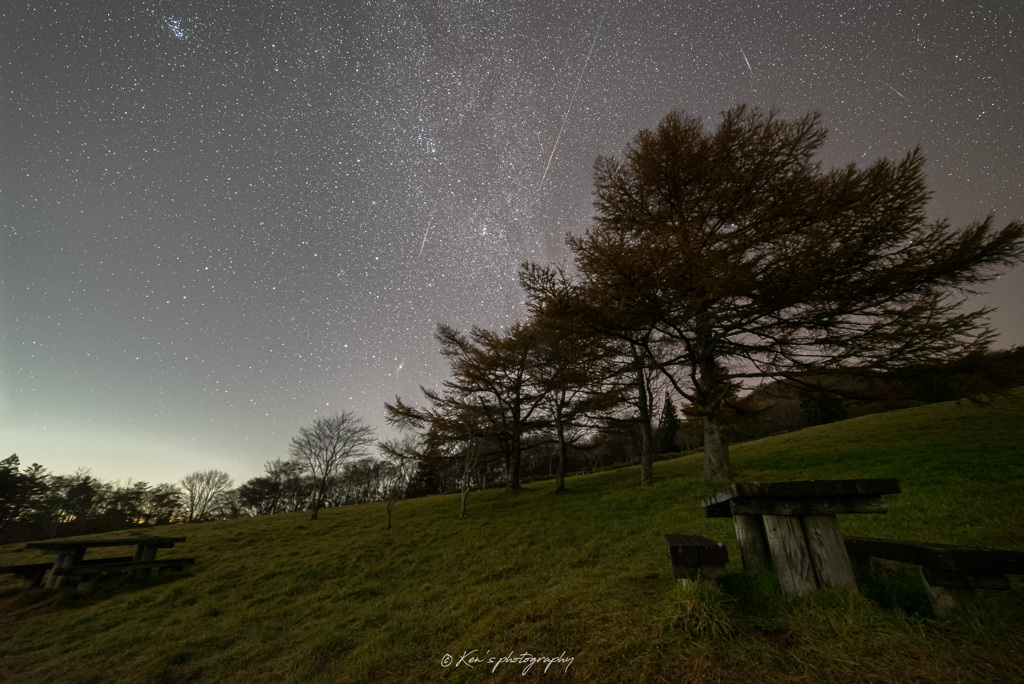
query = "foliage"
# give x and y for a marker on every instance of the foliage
(668, 428)
(732, 257)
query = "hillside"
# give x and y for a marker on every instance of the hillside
(585, 574)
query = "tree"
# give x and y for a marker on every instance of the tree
(396, 468)
(323, 448)
(575, 377)
(16, 490)
(201, 492)
(164, 504)
(259, 496)
(490, 379)
(668, 429)
(748, 261)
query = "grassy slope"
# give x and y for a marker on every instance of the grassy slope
(284, 598)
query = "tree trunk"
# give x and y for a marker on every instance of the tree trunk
(465, 495)
(646, 431)
(391, 502)
(716, 451)
(563, 449)
(515, 461)
(647, 454)
(316, 509)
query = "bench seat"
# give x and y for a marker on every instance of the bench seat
(692, 554)
(31, 574)
(89, 574)
(948, 571)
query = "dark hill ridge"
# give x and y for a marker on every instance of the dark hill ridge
(584, 576)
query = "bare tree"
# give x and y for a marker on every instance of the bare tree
(323, 448)
(396, 467)
(201, 492)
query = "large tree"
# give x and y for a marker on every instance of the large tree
(748, 260)
(325, 446)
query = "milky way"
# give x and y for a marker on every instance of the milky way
(219, 218)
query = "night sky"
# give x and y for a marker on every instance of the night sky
(220, 218)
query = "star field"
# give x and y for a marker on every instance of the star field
(218, 218)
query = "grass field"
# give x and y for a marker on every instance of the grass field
(584, 575)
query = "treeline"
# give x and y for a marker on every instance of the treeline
(37, 504)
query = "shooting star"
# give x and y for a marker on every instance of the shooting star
(425, 235)
(573, 98)
(897, 92)
(746, 60)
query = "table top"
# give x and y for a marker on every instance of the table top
(804, 490)
(75, 544)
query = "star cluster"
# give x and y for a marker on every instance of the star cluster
(221, 217)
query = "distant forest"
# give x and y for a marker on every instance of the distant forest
(37, 504)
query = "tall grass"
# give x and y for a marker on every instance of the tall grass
(584, 575)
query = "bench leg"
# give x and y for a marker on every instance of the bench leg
(145, 553)
(944, 600)
(33, 580)
(828, 552)
(753, 546)
(792, 560)
(64, 560)
(861, 568)
(87, 582)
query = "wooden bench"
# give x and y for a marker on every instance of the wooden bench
(949, 572)
(88, 572)
(31, 574)
(692, 554)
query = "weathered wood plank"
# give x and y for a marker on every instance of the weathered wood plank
(100, 568)
(828, 552)
(59, 545)
(944, 600)
(692, 554)
(715, 505)
(941, 558)
(821, 506)
(789, 554)
(753, 545)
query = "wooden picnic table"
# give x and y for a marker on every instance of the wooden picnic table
(71, 553)
(793, 526)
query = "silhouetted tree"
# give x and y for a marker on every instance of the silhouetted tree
(490, 380)
(576, 378)
(668, 428)
(400, 457)
(324, 447)
(749, 261)
(201, 492)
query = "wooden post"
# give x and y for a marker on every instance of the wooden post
(753, 546)
(144, 553)
(789, 553)
(828, 552)
(64, 561)
(944, 600)
(87, 582)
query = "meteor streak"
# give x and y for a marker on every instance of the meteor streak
(746, 60)
(573, 98)
(896, 91)
(425, 235)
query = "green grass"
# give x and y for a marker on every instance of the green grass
(287, 599)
